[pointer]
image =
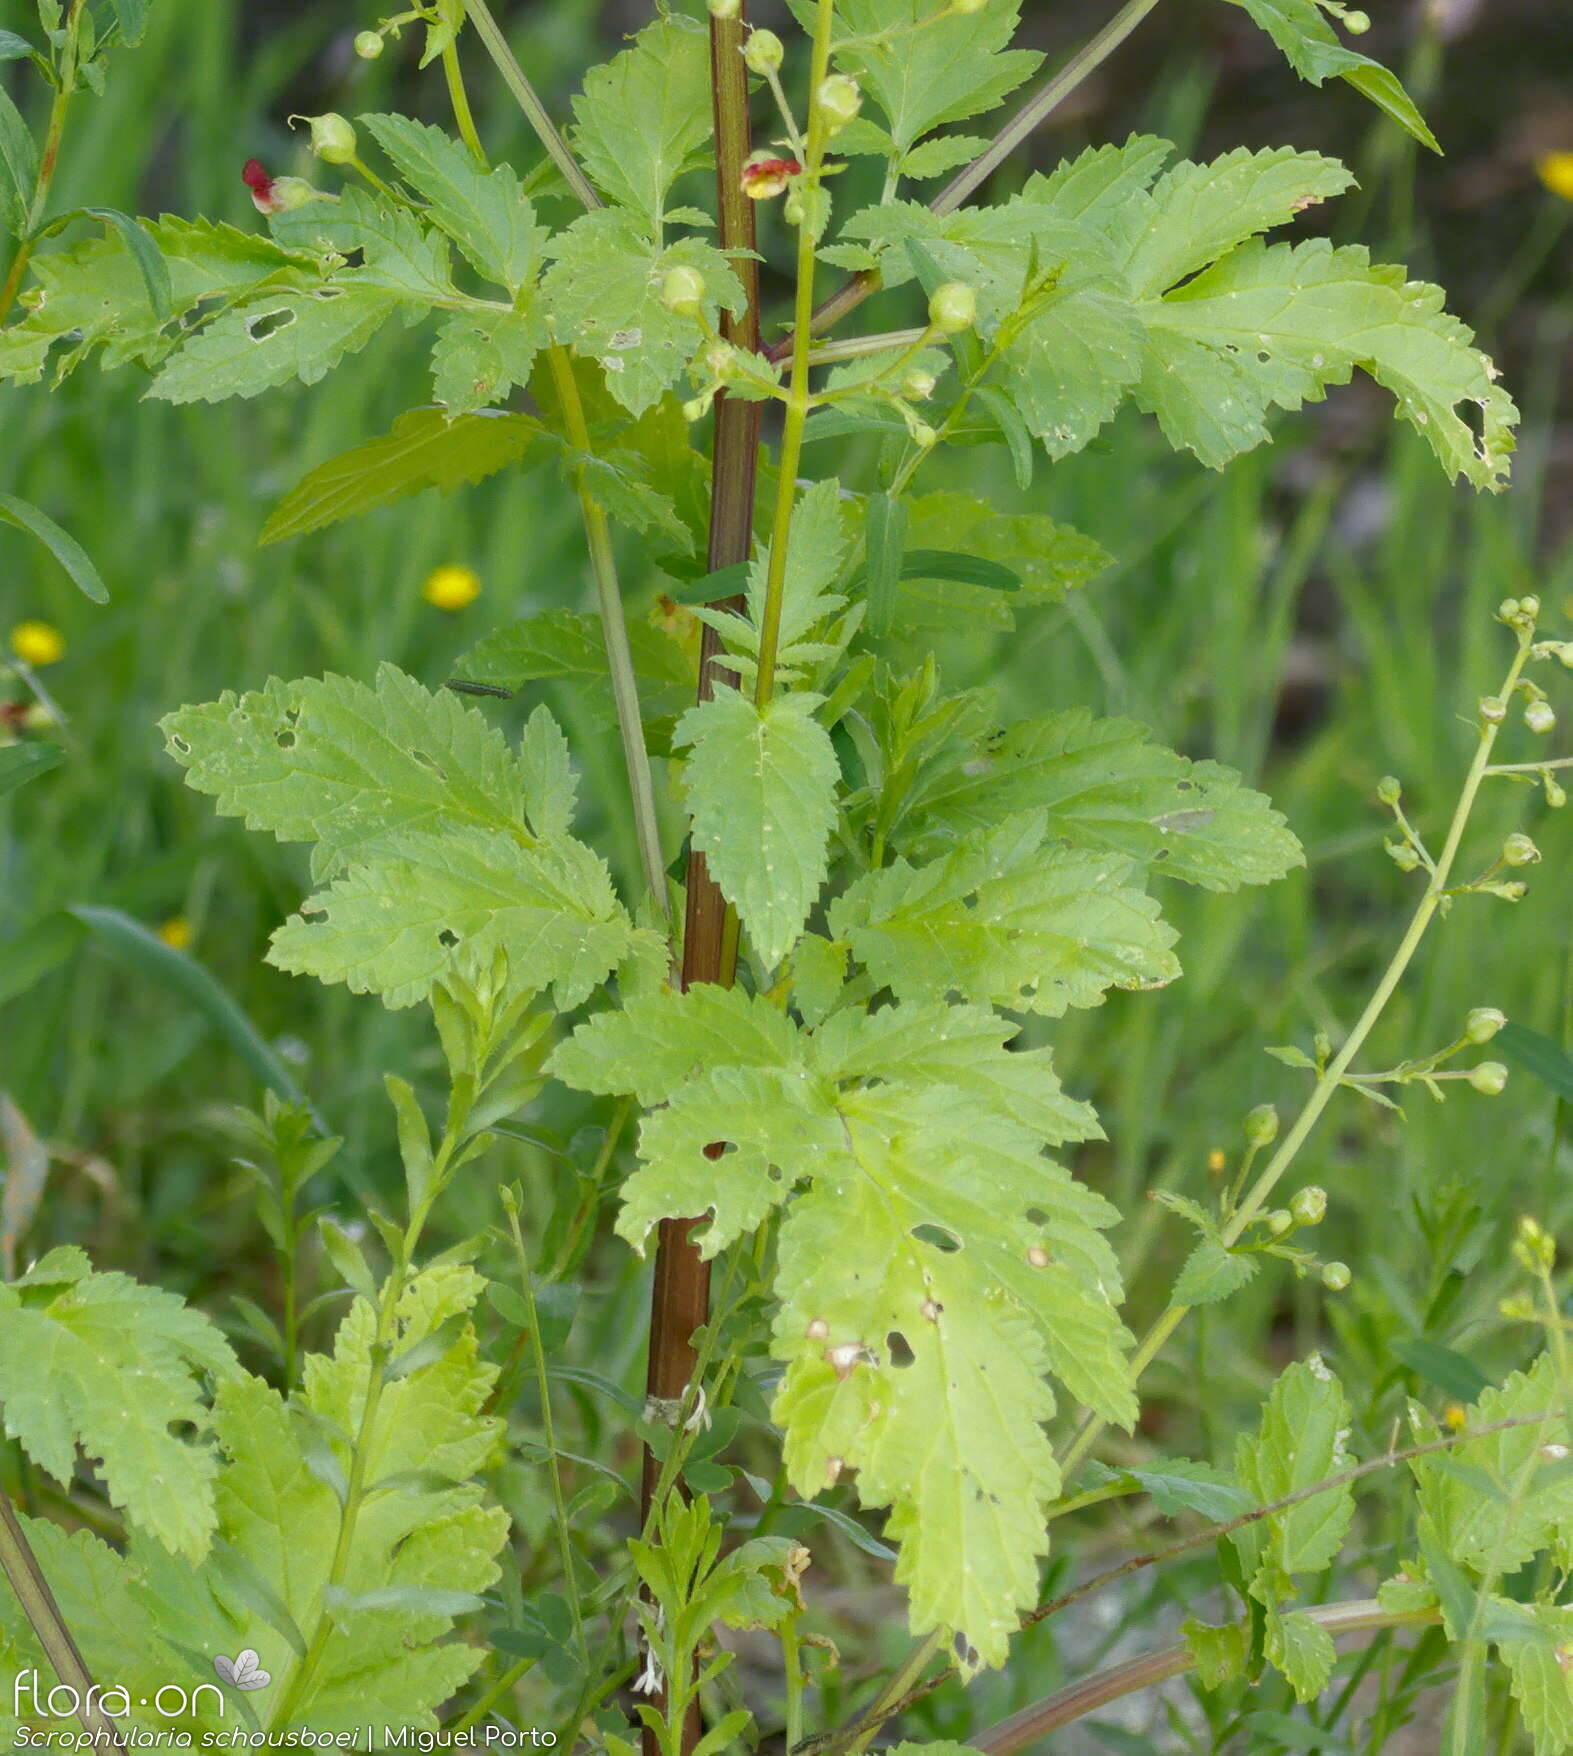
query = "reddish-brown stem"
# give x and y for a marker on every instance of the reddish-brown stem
(680, 1297)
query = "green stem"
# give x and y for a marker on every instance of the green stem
(460, 99)
(27, 1581)
(802, 345)
(1330, 1079)
(65, 88)
(535, 113)
(548, 1428)
(619, 656)
(1087, 1696)
(501, 1687)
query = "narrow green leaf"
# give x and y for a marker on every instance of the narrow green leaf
(424, 449)
(18, 168)
(20, 763)
(146, 254)
(1539, 1056)
(64, 547)
(885, 529)
(178, 971)
(15, 48)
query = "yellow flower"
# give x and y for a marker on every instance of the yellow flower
(1455, 1417)
(1556, 172)
(37, 644)
(451, 588)
(176, 933)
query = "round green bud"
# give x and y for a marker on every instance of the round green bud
(1519, 850)
(1402, 855)
(1513, 892)
(725, 9)
(1261, 1125)
(1483, 1023)
(1489, 1078)
(1279, 1221)
(683, 291)
(1336, 1276)
(1357, 23)
(1388, 790)
(1507, 609)
(1493, 710)
(292, 192)
(923, 435)
(839, 100)
(1309, 1206)
(763, 52)
(1556, 796)
(792, 207)
(720, 361)
(332, 138)
(368, 44)
(953, 308)
(1529, 606)
(1540, 717)
(917, 385)
(695, 410)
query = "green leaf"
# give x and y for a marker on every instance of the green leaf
(485, 213)
(1538, 1056)
(1301, 1442)
(1302, 1649)
(144, 252)
(20, 763)
(147, 955)
(944, 153)
(924, 70)
(1220, 1653)
(273, 339)
(1101, 785)
(567, 646)
(131, 16)
(69, 1351)
(350, 768)
(1008, 918)
(401, 919)
(61, 544)
(15, 48)
(424, 449)
(1026, 550)
(643, 115)
(1211, 1273)
(480, 356)
(1538, 1677)
(761, 787)
(603, 293)
(18, 168)
(1311, 46)
(1502, 1473)
(1180, 1484)
(886, 528)
(1277, 325)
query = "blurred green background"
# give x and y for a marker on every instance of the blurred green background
(1317, 617)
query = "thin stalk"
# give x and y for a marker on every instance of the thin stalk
(524, 95)
(853, 292)
(501, 1687)
(797, 405)
(548, 1428)
(1098, 1690)
(65, 89)
(1436, 887)
(27, 1581)
(460, 99)
(619, 657)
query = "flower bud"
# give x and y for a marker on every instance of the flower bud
(1519, 850)
(695, 410)
(1279, 1221)
(725, 9)
(953, 308)
(1539, 716)
(1336, 1276)
(1488, 1078)
(1309, 1206)
(1556, 796)
(1388, 790)
(916, 384)
(839, 100)
(792, 207)
(1534, 1248)
(763, 52)
(1357, 23)
(1515, 891)
(683, 291)
(332, 138)
(720, 361)
(1261, 1125)
(288, 193)
(1483, 1023)
(1529, 607)
(1493, 710)
(1402, 855)
(923, 435)
(368, 44)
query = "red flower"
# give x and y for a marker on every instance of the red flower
(764, 175)
(257, 180)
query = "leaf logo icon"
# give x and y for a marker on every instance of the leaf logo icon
(242, 1670)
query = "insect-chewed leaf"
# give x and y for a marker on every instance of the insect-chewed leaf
(424, 449)
(761, 786)
(398, 920)
(1102, 785)
(1008, 920)
(349, 767)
